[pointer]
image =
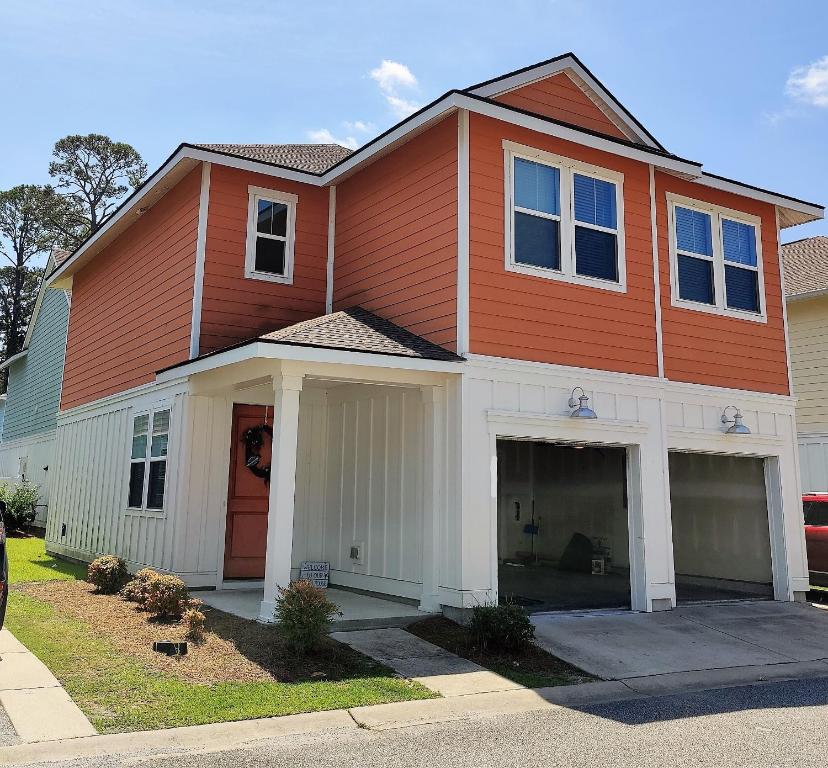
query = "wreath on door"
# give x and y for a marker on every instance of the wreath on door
(253, 441)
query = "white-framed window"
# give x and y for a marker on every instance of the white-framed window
(271, 225)
(564, 219)
(715, 259)
(148, 460)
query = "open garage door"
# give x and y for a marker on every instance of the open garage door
(721, 537)
(563, 531)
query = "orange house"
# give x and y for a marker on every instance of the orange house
(511, 348)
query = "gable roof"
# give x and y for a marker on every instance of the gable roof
(806, 266)
(314, 158)
(583, 78)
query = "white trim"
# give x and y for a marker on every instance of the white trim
(463, 232)
(200, 258)
(593, 89)
(567, 167)
(781, 264)
(13, 359)
(716, 213)
(656, 276)
(114, 402)
(254, 195)
(329, 267)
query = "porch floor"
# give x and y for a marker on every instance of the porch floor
(359, 611)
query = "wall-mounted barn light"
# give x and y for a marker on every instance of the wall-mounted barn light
(737, 425)
(582, 409)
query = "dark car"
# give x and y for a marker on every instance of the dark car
(815, 507)
(4, 566)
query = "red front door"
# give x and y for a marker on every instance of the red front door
(247, 499)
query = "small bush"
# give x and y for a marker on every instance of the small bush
(136, 590)
(107, 574)
(501, 627)
(20, 503)
(304, 614)
(166, 596)
(194, 621)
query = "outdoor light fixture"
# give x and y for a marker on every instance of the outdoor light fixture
(582, 409)
(738, 427)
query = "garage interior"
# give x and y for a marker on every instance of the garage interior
(721, 535)
(563, 531)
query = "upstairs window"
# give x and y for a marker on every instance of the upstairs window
(148, 460)
(716, 260)
(270, 235)
(563, 219)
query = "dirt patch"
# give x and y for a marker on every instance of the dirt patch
(234, 649)
(530, 665)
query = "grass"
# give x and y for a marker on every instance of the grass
(530, 666)
(28, 561)
(118, 691)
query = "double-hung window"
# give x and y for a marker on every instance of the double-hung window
(148, 460)
(564, 219)
(271, 224)
(716, 259)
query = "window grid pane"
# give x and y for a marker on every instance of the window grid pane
(596, 254)
(140, 424)
(595, 201)
(155, 487)
(270, 256)
(160, 422)
(695, 278)
(693, 231)
(537, 241)
(136, 484)
(537, 187)
(742, 288)
(739, 242)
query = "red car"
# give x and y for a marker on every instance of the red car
(815, 508)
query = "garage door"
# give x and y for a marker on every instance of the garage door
(721, 539)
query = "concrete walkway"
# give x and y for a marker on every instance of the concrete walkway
(428, 664)
(698, 646)
(35, 702)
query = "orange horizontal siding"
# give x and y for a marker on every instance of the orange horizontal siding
(559, 98)
(396, 236)
(132, 305)
(235, 308)
(545, 320)
(704, 348)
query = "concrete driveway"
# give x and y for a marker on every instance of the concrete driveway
(726, 643)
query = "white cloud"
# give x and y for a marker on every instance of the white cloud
(324, 136)
(393, 77)
(810, 84)
(358, 126)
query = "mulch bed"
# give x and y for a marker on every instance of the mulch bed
(234, 649)
(528, 664)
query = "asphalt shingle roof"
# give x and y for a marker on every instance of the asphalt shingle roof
(358, 330)
(806, 265)
(315, 158)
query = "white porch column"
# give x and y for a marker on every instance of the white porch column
(433, 465)
(287, 389)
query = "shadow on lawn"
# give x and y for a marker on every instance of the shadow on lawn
(264, 645)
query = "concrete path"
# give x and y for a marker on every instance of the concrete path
(428, 664)
(704, 645)
(34, 700)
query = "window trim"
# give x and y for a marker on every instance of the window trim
(254, 195)
(567, 168)
(148, 459)
(716, 213)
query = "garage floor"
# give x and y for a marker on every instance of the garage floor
(703, 637)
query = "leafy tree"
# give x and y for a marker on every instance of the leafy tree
(92, 173)
(26, 231)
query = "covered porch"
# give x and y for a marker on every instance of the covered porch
(348, 465)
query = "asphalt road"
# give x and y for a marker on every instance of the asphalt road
(7, 735)
(780, 724)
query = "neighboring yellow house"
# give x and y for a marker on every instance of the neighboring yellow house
(806, 290)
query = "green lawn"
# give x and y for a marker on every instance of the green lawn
(119, 693)
(28, 561)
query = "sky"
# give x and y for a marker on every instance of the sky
(740, 86)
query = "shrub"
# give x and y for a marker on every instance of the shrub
(304, 614)
(136, 590)
(107, 574)
(20, 503)
(166, 596)
(501, 627)
(194, 620)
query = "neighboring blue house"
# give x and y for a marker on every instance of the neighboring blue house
(33, 394)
